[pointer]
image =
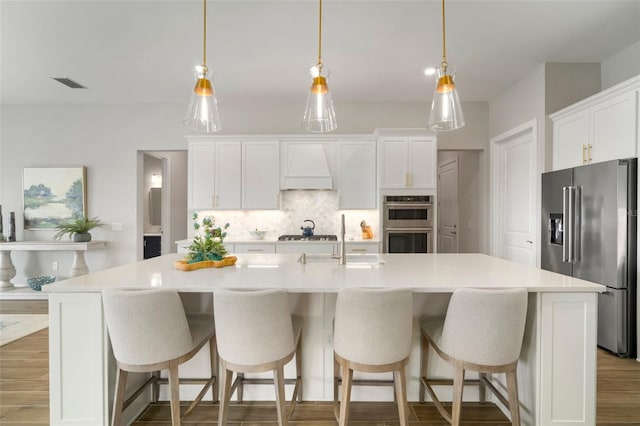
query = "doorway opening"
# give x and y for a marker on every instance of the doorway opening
(162, 202)
(459, 202)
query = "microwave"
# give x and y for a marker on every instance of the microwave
(408, 211)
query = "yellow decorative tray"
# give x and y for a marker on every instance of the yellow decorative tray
(184, 266)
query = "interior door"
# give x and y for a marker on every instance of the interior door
(448, 207)
(516, 209)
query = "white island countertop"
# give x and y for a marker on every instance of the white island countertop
(424, 273)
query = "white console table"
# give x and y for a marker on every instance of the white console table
(79, 266)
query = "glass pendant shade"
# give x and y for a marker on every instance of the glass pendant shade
(446, 110)
(202, 114)
(319, 115)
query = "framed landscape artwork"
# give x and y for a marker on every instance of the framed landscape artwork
(53, 195)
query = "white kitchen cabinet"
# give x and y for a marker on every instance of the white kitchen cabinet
(214, 175)
(362, 247)
(200, 179)
(227, 175)
(306, 247)
(407, 162)
(260, 175)
(357, 181)
(600, 128)
(254, 248)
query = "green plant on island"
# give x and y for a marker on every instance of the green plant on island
(80, 225)
(208, 241)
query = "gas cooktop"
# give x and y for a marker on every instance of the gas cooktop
(311, 238)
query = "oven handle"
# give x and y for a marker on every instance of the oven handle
(408, 229)
(408, 205)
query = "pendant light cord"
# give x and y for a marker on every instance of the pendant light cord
(204, 44)
(444, 43)
(320, 37)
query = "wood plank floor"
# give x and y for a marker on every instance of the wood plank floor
(24, 398)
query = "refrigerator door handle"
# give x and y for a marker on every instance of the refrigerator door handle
(577, 224)
(571, 224)
(566, 224)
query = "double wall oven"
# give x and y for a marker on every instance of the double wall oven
(407, 224)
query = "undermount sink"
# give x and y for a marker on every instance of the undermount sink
(352, 259)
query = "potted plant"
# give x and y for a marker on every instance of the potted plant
(207, 248)
(78, 229)
(208, 242)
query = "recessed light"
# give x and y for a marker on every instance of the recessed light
(429, 71)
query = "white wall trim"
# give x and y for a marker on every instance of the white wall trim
(495, 236)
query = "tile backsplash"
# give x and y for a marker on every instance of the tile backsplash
(295, 208)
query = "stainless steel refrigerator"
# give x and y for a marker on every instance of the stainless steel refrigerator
(589, 220)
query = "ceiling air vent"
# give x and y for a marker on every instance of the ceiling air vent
(69, 83)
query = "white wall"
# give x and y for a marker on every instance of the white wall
(621, 66)
(106, 139)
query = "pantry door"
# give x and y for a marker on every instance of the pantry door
(448, 207)
(514, 188)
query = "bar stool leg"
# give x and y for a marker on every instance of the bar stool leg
(482, 389)
(347, 378)
(121, 385)
(213, 360)
(336, 380)
(400, 381)
(514, 405)
(278, 376)
(174, 385)
(458, 382)
(424, 358)
(156, 386)
(226, 378)
(240, 388)
(299, 368)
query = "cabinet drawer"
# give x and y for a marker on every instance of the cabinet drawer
(255, 248)
(363, 248)
(305, 247)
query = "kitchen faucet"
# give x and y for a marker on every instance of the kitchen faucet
(342, 256)
(343, 251)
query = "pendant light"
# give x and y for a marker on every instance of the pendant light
(319, 115)
(446, 110)
(202, 115)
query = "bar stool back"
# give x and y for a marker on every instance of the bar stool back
(373, 334)
(149, 332)
(482, 331)
(257, 333)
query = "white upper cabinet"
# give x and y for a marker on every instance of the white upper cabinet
(201, 191)
(233, 174)
(357, 180)
(227, 175)
(407, 162)
(260, 175)
(214, 175)
(600, 128)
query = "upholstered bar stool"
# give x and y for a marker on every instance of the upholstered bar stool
(372, 335)
(482, 331)
(149, 332)
(256, 332)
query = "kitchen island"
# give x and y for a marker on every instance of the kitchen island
(557, 368)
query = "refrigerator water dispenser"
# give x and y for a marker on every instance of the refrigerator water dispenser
(555, 228)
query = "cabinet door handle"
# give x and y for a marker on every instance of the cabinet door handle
(256, 250)
(213, 201)
(589, 151)
(362, 250)
(406, 179)
(584, 151)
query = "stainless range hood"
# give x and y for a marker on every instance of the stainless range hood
(307, 167)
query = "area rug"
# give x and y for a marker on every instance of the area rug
(15, 326)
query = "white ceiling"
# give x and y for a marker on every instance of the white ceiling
(144, 51)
